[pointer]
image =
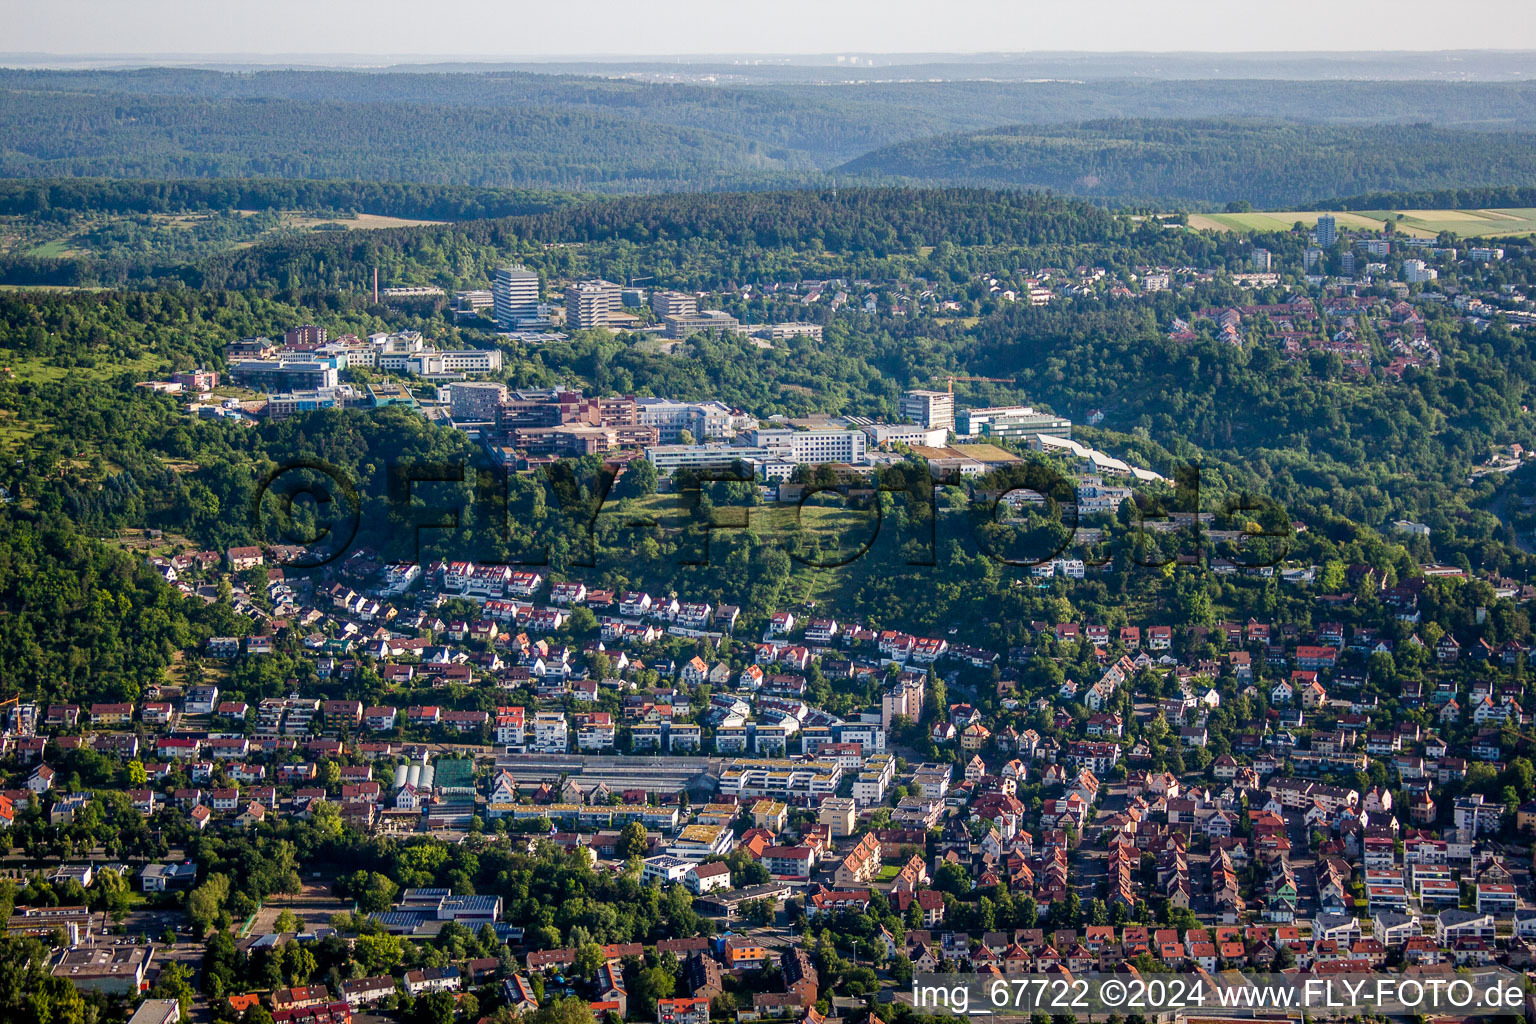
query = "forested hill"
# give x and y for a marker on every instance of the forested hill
(1269, 165)
(53, 134)
(518, 129)
(881, 220)
(874, 222)
(42, 197)
(742, 235)
(1509, 196)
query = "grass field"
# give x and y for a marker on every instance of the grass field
(52, 250)
(1418, 223)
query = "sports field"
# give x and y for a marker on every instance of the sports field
(1420, 223)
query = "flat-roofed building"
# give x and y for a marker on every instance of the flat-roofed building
(665, 868)
(695, 843)
(668, 458)
(796, 782)
(669, 303)
(705, 320)
(282, 375)
(840, 814)
(514, 295)
(910, 434)
(786, 331)
(76, 922)
(1011, 421)
(110, 970)
(475, 401)
(706, 421)
(935, 409)
(589, 304)
(813, 446)
(157, 1011)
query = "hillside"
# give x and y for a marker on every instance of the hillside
(1209, 161)
(118, 135)
(605, 134)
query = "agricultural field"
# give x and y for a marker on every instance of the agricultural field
(1471, 223)
(1418, 223)
(349, 222)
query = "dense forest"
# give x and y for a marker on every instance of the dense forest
(60, 197)
(173, 137)
(589, 133)
(1272, 166)
(1511, 196)
(709, 237)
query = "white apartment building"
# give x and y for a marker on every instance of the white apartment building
(551, 735)
(874, 780)
(792, 781)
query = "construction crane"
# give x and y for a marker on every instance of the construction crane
(951, 378)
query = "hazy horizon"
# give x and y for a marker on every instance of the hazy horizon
(835, 57)
(399, 30)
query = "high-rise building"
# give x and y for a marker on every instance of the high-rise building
(588, 303)
(1261, 260)
(515, 295)
(1327, 231)
(933, 409)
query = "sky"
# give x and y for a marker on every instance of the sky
(520, 28)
